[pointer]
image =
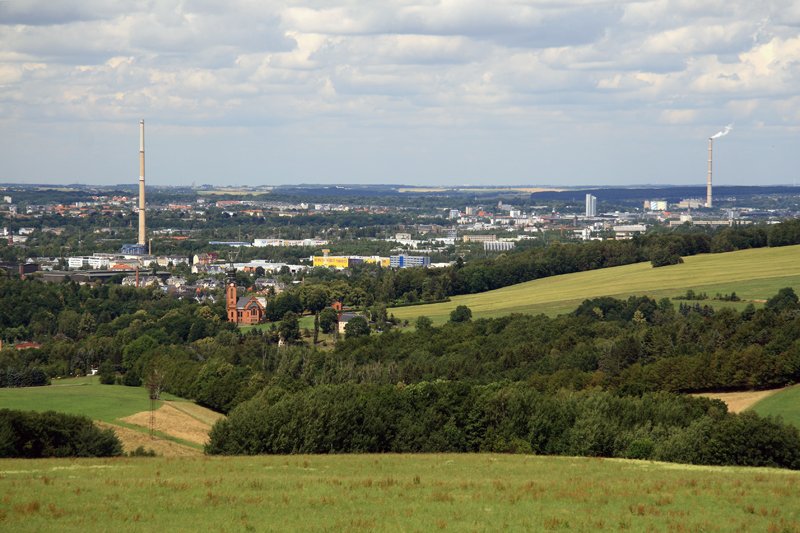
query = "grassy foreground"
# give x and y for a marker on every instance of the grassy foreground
(754, 275)
(392, 493)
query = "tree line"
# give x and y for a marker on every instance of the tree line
(446, 416)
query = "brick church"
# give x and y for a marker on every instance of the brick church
(246, 310)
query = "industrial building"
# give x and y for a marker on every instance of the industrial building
(348, 261)
(409, 261)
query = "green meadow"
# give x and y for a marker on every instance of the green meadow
(754, 275)
(81, 396)
(785, 404)
(468, 492)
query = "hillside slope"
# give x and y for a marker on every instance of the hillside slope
(754, 275)
(181, 426)
(784, 403)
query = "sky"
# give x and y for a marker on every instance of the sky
(431, 92)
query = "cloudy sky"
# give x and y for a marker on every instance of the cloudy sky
(400, 91)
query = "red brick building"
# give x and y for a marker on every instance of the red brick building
(245, 309)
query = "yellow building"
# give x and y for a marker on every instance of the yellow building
(332, 261)
(376, 260)
(343, 261)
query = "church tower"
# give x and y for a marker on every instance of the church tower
(231, 298)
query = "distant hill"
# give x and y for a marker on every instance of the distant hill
(754, 275)
(670, 194)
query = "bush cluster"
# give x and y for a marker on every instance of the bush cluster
(24, 377)
(32, 435)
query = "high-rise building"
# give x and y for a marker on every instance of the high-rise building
(408, 261)
(591, 205)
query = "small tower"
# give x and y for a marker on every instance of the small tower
(230, 296)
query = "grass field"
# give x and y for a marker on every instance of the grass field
(179, 424)
(80, 396)
(392, 493)
(754, 275)
(785, 403)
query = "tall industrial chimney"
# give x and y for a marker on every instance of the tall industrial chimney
(142, 239)
(708, 182)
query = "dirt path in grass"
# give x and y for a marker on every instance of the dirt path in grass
(739, 401)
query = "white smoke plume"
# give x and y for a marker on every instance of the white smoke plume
(722, 133)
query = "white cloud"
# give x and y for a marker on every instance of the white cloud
(405, 65)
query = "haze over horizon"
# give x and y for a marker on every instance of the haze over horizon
(577, 92)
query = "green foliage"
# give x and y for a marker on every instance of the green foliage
(664, 256)
(328, 320)
(423, 324)
(785, 233)
(24, 377)
(140, 451)
(786, 299)
(461, 313)
(289, 328)
(108, 374)
(51, 434)
(451, 416)
(356, 327)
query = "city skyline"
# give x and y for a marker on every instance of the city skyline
(419, 93)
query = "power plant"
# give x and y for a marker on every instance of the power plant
(724, 132)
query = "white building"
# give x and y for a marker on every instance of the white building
(591, 205)
(498, 246)
(628, 231)
(76, 263)
(261, 243)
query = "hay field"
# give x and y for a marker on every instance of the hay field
(739, 401)
(466, 492)
(754, 275)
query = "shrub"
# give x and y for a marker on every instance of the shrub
(356, 327)
(461, 313)
(29, 434)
